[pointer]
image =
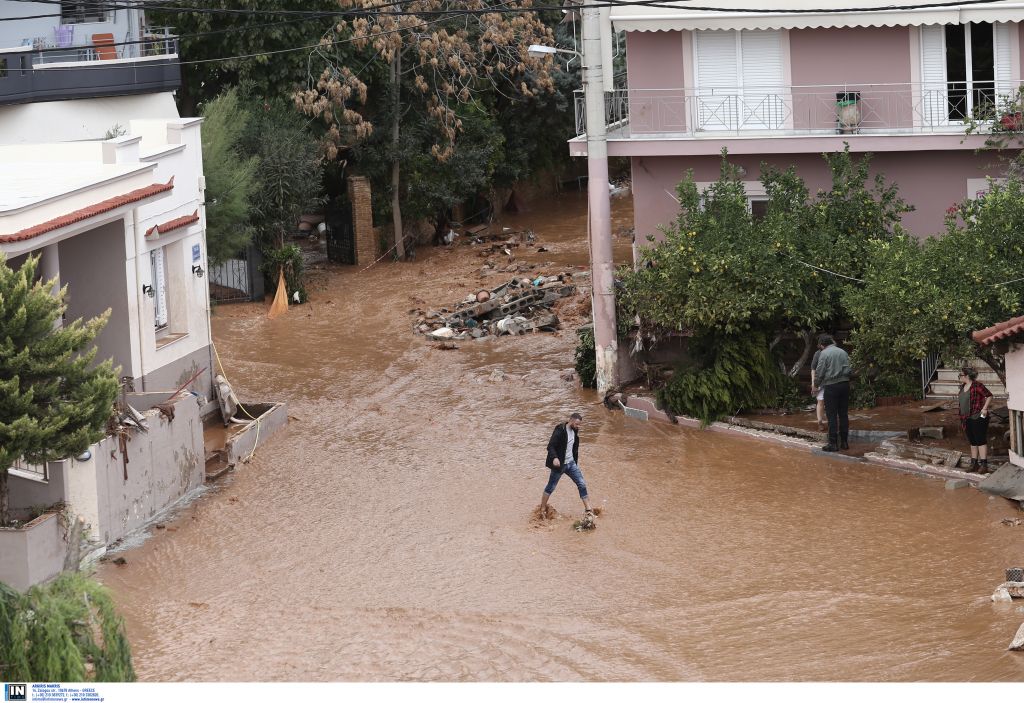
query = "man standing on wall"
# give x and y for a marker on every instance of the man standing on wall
(563, 453)
(832, 374)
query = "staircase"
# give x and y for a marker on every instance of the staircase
(946, 385)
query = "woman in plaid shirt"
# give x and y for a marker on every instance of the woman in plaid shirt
(974, 401)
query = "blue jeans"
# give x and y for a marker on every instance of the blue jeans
(574, 473)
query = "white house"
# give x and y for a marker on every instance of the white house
(1011, 335)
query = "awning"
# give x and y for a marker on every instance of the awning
(800, 14)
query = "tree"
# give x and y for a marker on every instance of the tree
(240, 28)
(230, 177)
(738, 285)
(925, 298)
(438, 55)
(289, 171)
(54, 402)
(66, 630)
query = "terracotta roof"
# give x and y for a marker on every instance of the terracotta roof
(1003, 330)
(176, 223)
(87, 212)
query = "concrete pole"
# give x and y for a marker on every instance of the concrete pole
(599, 204)
(49, 269)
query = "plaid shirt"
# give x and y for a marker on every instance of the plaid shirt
(978, 394)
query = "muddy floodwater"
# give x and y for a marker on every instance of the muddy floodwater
(385, 533)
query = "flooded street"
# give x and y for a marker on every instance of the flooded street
(385, 533)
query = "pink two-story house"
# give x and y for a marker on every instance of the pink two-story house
(787, 82)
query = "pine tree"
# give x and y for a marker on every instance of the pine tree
(54, 401)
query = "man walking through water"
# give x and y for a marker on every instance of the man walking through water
(832, 375)
(563, 453)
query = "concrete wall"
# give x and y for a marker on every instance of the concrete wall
(26, 492)
(173, 375)
(96, 282)
(76, 120)
(929, 180)
(32, 554)
(656, 70)
(852, 59)
(1015, 389)
(163, 465)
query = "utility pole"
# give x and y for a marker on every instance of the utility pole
(602, 272)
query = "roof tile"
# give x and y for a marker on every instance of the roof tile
(1002, 330)
(176, 223)
(87, 212)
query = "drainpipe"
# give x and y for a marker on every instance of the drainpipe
(599, 205)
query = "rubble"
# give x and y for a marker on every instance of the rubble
(522, 305)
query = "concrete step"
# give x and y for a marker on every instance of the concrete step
(951, 375)
(949, 388)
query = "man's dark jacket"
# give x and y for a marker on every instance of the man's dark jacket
(556, 448)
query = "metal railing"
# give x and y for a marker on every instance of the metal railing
(154, 41)
(812, 109)
(37, 471)
(929, 366)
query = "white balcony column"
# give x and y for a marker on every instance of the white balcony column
(49, 268)
(599, 204)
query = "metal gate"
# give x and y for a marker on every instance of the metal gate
(341, 240)
(238, 279)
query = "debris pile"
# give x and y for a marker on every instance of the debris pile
(522, 305)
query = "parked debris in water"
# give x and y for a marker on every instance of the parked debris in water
(587, 522)
(522, 305)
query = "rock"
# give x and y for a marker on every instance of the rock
(955, 483)
(931, 432)
(442, 333)
(1002, 596)
(1018, 640)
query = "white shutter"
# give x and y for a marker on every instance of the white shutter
(761, 69)
(716, 54)
(1003, 59)
(934, 100)
(156, 258)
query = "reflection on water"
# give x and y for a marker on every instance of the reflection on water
(386, 533)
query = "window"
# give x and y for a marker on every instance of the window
(3, 68)
(963, 68)
(82, 11)
(758, 206)
(159, 278)
(739, 76)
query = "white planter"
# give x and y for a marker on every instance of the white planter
(32, 553)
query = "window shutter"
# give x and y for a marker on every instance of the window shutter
(764, 106)
(718, 78)
(1002, 57)
(160, 286)
(934, 102)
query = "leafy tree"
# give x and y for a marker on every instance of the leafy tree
(924, 298)
(424, 66)
(264, 40)
(289, 171)
(230, 177)
(66, 630)
(54, 402)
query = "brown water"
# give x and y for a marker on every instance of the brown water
(386, 533)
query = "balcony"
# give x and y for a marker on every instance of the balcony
(895, 109)
(42, 70)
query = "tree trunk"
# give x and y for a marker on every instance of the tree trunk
(996, 361)
(396, 205)
(808, 336)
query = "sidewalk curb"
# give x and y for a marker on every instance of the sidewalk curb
(903, 465)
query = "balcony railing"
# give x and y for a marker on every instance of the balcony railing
(797, 110)
(34, 73)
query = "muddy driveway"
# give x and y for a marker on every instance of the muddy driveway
(385, 534)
